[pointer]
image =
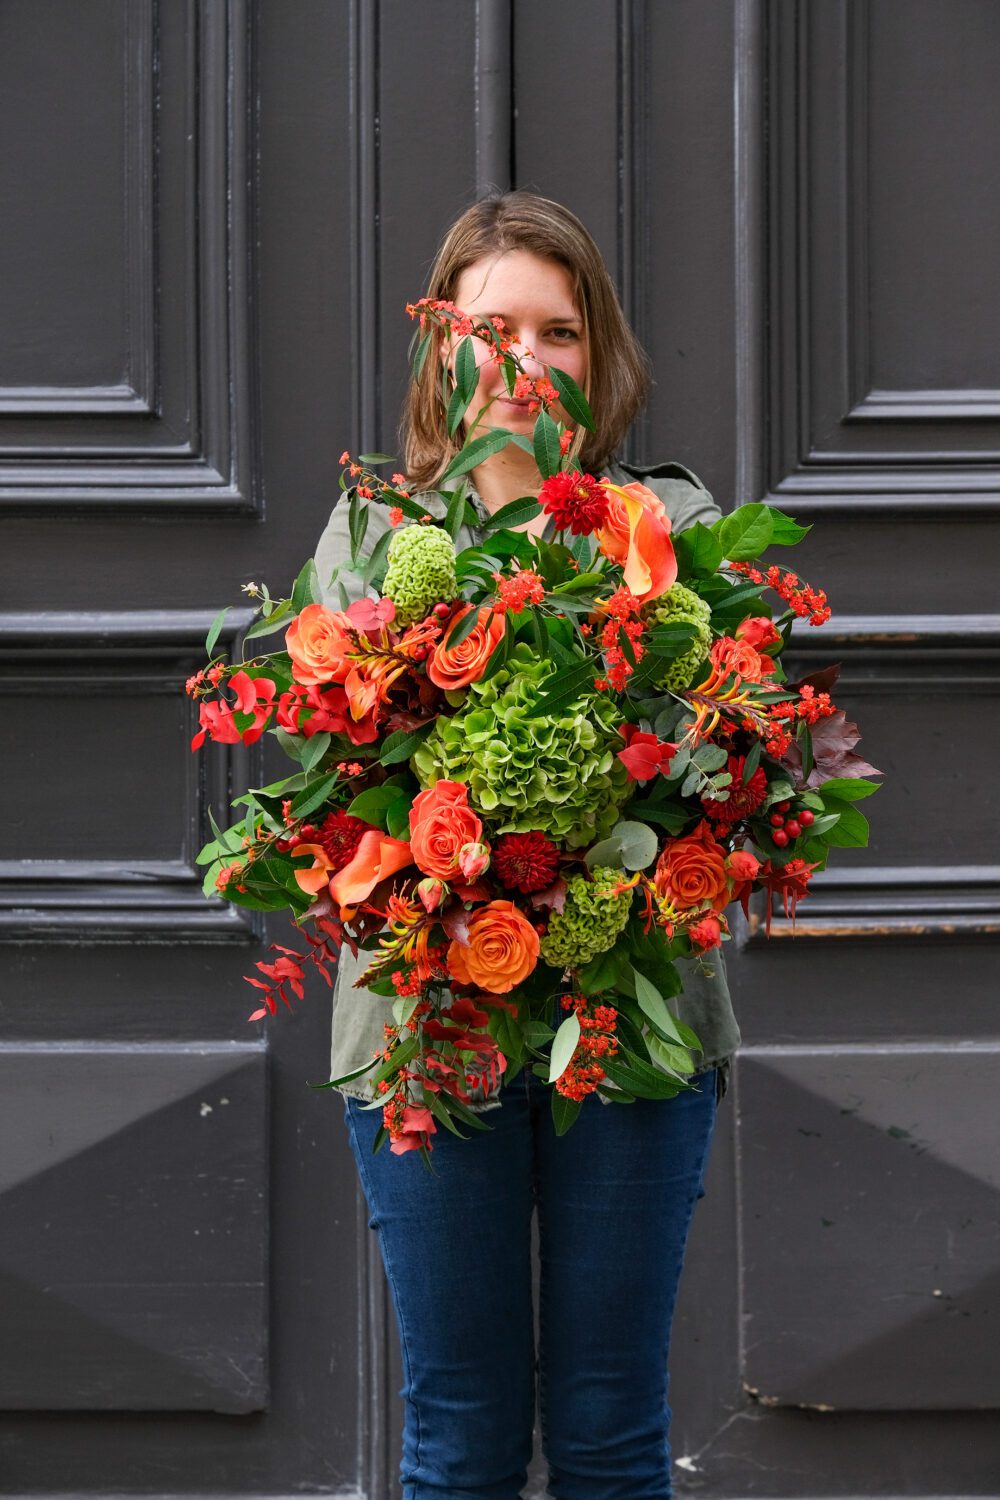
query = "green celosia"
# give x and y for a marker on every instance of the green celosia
(591, 919)
(421, 571)
(682, 606)
(559, 773)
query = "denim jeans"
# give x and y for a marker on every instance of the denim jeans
(615, 1196)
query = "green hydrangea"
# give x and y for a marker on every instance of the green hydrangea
(590, 921)
(421, 571)
(558, 773)
(682, 606)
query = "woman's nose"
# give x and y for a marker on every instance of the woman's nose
(530, 364)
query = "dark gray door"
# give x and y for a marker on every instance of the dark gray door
(213, 214)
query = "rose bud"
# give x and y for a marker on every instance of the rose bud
(474, 860)
(431, 892)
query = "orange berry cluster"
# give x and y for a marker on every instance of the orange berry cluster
(800, 598)
(524, 587)
(583, 1072)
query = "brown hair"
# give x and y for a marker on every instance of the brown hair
(619, 373)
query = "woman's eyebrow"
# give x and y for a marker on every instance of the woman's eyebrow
(556, 317)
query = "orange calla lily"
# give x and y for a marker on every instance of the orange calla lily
(376, 856)
(637, 534)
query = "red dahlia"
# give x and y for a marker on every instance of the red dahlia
(578, 501)
(743, 799)
(340, 836)
(524, 861)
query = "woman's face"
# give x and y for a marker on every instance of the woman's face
(534, 296)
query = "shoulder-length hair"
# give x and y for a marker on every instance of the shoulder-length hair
(619, 373)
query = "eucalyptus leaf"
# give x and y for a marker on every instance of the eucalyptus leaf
(564, 1044)
(629, 845)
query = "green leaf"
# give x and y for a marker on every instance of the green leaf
(401, 744)
(698, 551)
(752, 761)
(671, 816)
(673, 1057)
(851, 832)
(357, 524)
(564, 1111)
(465, 626)
(397, 818)
(653, 1004)
(373, 803)
(745, 533)
(601, 974)
(574, 402)
(466, 369)
(455, 514)
(421, 354)
(344, 1077)
(306, 589)
(578, 583)
(848, 788)
(570, 684)
(438, 1108)
(564, 1044)
(214, 628)
(377, 556)
(292, 744)
(541, 633)
(267, 624)
(804, 738)
(314, 796)
(514, 513)
(475, 452)
(499, 654)
(315, 749)
(786, 532)
(639, 1077)
(546, 442)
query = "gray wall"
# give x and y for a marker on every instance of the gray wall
(213, 214)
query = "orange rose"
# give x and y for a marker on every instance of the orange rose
(467, 661)
(441, 824)
(637, 535)
(502, 949)
(318, 644)
(729, 655)
(692, 870)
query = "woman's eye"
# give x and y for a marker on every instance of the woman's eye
(570, 331)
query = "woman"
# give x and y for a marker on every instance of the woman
(616, 1192)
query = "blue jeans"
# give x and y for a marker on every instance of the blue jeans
(615, 1197)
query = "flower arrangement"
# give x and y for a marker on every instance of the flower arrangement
(532, 773)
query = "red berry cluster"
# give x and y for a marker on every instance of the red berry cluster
(785, 829)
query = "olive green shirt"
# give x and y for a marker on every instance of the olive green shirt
(358, 1014)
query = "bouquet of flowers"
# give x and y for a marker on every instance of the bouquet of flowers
(530, 774)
